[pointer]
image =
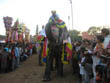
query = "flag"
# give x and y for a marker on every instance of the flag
(66, 57)
(45, 51)
(69, 51)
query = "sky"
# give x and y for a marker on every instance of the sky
(86, 13)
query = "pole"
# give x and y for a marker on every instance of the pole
(68, 22)
(37, 31)
(71, 12)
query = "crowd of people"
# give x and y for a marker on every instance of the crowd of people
(12, 55)
(91, 59)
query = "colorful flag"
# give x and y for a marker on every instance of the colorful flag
(66, 57)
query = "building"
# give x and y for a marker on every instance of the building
(85, 35)
(2, 37)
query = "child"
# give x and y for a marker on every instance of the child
(86, 66)
(98, 47)
(100, 43)
(82, 70)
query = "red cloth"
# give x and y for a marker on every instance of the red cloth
(6, 40)
(59, 20)
(12, 53)
(98, 77)
(68, 50)
(45, 48)
(30, 46)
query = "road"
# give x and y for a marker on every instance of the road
(31, 72)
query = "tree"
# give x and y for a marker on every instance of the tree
(106, 27)
(94, 30)
(74, 34)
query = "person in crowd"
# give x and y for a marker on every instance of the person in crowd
(4, 59)
(100, 44)
(82, 70)
(106, 34)
(41, 43)
(17, 55)
(9, 61)
(88, 66)
(30, 49)
(96, 52)
(20, 50)
(108, 65)
(6, 48)
(1, 49)
(54, 16)
(75, 58)
(40, 53)
(13, 58)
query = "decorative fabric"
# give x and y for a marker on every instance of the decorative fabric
(69, 51)
(65, 58)
(45, 51)
(40, 38)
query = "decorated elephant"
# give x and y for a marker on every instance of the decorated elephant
(56, 33)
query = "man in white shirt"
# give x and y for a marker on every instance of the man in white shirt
(42, 32)
(106, 34)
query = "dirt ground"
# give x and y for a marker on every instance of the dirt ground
(31, 72)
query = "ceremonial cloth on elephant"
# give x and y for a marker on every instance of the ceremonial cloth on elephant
(65, 58)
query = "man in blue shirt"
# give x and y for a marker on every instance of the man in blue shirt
(54, 16)
(17, 55)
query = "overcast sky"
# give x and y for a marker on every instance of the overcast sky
(86, 13)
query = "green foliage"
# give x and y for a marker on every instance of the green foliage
(74, 34)
(106, 27)
(94, 30)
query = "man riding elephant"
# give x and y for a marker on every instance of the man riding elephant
(56, 33)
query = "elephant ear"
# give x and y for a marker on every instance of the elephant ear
(49, 32)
